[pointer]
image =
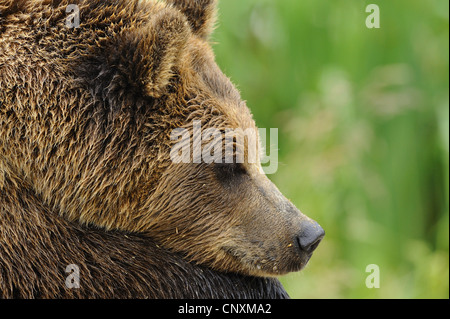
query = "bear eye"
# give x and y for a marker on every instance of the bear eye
(226, 172)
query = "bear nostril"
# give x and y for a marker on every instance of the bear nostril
(310, 237)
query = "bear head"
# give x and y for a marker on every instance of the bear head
(87, 114)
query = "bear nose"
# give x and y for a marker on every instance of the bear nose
(310, 236)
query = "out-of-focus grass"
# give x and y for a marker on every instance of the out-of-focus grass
(363, 133)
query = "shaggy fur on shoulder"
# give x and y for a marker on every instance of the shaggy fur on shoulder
(33, 260)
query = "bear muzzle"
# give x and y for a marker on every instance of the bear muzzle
(275, 236)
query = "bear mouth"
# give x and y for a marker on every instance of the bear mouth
(266, 265)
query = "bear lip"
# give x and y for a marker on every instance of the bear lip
(261, 267)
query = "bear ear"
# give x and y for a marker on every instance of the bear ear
(161, 45)
(201, 14)
(145, 57)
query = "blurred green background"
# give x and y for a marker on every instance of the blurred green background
(363, 124)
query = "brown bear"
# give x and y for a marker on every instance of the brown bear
(90, 91)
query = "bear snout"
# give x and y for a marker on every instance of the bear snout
(309, 237)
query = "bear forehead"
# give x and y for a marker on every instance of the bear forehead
(210, 78)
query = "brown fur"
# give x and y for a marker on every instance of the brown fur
(33, 259)
(85, 120)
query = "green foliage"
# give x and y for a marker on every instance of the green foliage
(363, 133)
